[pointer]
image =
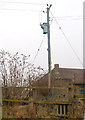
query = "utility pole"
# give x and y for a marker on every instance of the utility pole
(46, 30)
(49, 48)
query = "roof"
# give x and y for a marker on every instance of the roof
(62, 74)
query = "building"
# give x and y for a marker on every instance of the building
(66, 94)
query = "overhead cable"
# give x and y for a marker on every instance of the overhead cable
(38, 49)
(67, 39)
(12, 9)
(21, 3)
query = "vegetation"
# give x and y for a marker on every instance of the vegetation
(18, 77)
(16, 71)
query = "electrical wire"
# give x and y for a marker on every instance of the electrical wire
(26, 3)
(70, 18)
(81, 17)
(13, 9)
(22, 3)
(23, 10)
(38, 49)
(67, 39)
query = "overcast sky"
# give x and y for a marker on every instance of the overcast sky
(20, 30)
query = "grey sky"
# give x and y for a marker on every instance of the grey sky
(20, 30)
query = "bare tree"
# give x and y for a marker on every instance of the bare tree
(15, 70)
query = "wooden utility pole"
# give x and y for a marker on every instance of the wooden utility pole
(46, 30)
(48, 34)
(49, 48)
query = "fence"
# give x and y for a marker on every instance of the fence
(54, 102)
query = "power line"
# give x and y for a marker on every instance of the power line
(22, 3)
(21, 10)
(38, 49)
(80, 17)
(75, 18)
(12, 9)
(70, 16)
(67, 39)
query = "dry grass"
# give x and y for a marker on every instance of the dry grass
(42, 111)
(18, 111)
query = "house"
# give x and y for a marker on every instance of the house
(65, 85)
(62, 77)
